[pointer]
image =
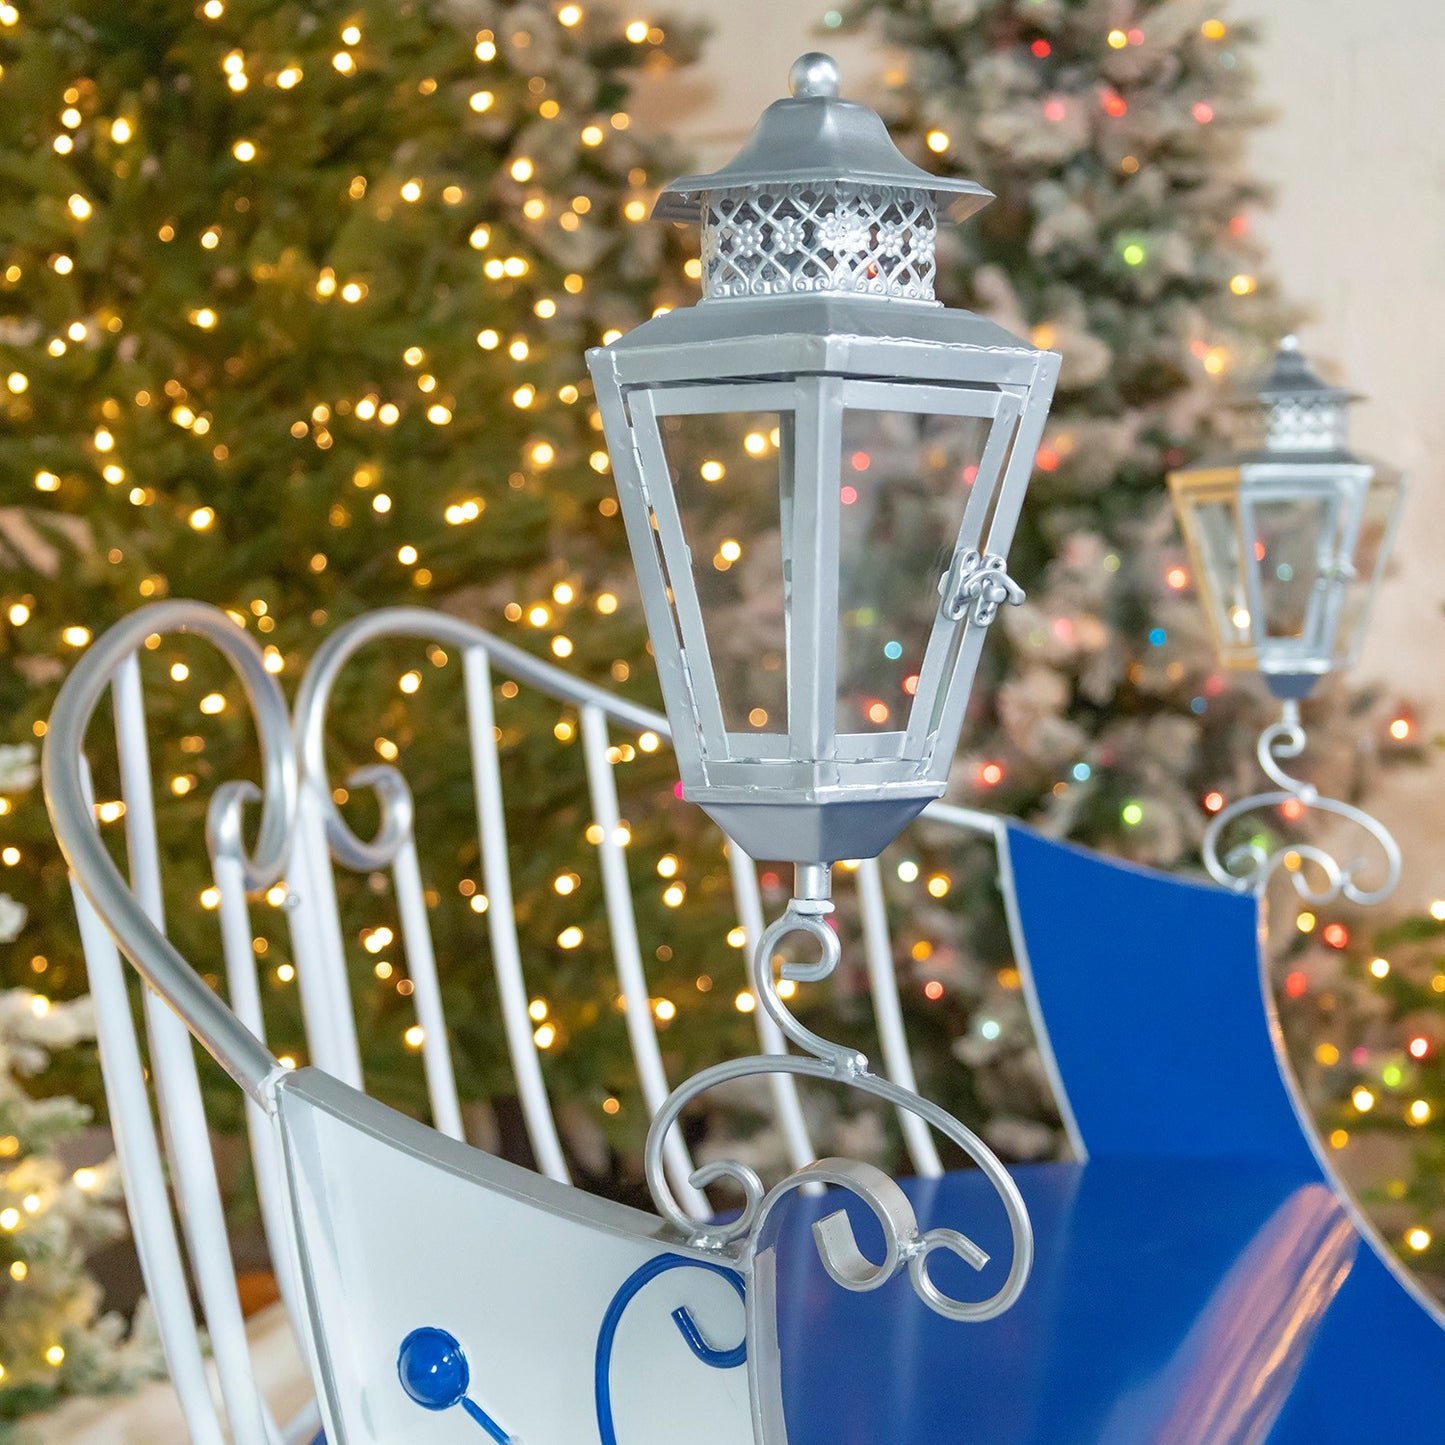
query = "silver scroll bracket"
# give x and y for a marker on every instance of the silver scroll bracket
(977, 583)
(1318, 876)
(749, 1241)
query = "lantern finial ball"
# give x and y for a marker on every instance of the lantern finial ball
(1289, 343)
(813, 76)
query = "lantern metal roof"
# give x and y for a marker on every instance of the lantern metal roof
(1295, 410)
(1291, 375)
(817, 137)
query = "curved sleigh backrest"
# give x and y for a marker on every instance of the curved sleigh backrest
(1150, 992)
(607, 730)
(487, 665)
(1152, 1006)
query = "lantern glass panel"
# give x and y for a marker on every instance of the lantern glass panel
(781, 624)
(1294, 540)
(1372, 549)
(730, 472)
(906, 480)
(1216, 535)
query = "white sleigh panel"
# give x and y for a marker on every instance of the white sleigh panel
(517, 1308)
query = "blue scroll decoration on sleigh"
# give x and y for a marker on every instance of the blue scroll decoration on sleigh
(687, 1326)
(434, 1372)
(433, 1368)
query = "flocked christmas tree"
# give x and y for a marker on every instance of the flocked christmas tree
(58, 1338)
(1119, 237)
(1113, 133)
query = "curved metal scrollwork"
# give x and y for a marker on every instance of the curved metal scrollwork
(112, 661)
(1318, 876)
(711, 1355)
(480, 650)
(750, 1234)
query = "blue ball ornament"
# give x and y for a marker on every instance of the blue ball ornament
(433, 1369)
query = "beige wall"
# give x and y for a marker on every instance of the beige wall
(1357, 156)
(1357, 159)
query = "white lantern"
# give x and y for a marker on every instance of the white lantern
(820, 469)
(1289, 539)
(1289, 536)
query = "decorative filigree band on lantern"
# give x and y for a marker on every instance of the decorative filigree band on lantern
(819, 236)
(1298, 411)
(1306, 424)
(1248, 866)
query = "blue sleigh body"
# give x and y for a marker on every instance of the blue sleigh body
(1202, 1279)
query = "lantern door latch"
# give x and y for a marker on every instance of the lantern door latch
(978, 584)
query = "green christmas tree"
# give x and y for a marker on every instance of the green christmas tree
(293, 307)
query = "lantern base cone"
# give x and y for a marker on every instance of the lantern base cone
(1291, 686)
(821, 832)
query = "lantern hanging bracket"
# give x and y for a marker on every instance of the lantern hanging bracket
(977, 583)
(1248, 866)
(749, 1241)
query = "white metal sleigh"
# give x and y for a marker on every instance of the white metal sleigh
(441, 1293)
